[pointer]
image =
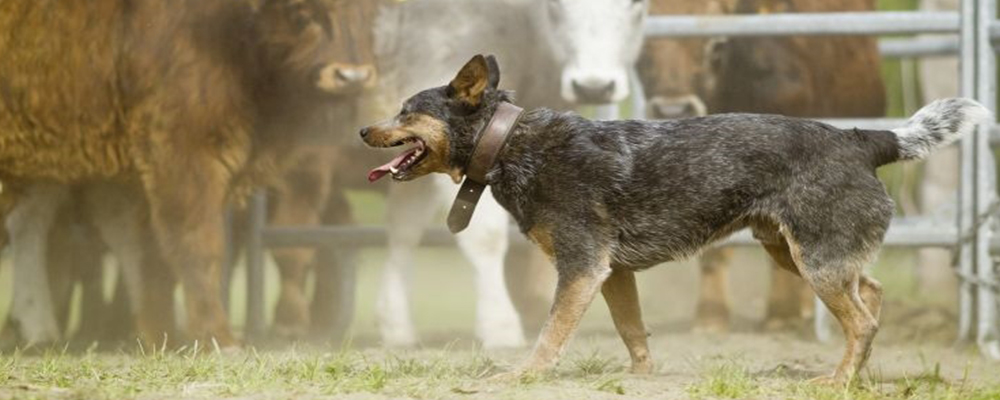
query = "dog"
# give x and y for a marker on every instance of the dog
(606, 199)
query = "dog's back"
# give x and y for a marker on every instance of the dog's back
(668, 188)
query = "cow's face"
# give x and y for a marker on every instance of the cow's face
(323, 44)
(596, 42)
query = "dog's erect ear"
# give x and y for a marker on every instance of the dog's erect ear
(494, 71)
(470, 83)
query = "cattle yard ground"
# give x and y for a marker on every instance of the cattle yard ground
(690, 366)
(914, 356)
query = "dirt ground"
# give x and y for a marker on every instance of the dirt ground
(914, 356)
(688, 366)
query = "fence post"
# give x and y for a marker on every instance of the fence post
(986, 91)
(228, 257)
(966, 210)
(255, 265)
(638, 95)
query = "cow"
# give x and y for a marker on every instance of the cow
(310, 192)
(795, 76)
(675, 78)
(191, 103)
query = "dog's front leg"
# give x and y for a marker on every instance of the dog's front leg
(581, 275)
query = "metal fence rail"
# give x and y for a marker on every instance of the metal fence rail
(972, 32)
(840, 23)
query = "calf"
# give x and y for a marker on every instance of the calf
(189, 99)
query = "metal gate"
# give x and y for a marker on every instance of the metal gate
(974, 29)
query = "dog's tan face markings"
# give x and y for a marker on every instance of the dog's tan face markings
(427, 132)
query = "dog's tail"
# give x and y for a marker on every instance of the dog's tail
(937, 125)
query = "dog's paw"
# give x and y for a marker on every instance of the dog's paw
(642, 368)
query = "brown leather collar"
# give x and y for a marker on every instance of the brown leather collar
(491, 141)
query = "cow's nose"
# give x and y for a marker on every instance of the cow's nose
(355, 74)
(593, 91)
(345, 78)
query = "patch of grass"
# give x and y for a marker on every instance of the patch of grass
(447, 373)
(724, 380)
(611, 385)
(178, 374)
(594, 364)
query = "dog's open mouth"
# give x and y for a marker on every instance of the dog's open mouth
(402, 163)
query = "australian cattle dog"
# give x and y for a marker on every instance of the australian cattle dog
(605, 199)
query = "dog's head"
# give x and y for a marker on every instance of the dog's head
(440, 123)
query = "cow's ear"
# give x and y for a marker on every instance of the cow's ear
(471, 82)
(494, 71)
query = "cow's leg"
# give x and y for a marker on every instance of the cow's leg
(299, 202)
(484, 243)
(120, 323)
(531, 281)
(712, 314)
(118, 212)
(332, 307)
(95, 311)
(75, 254)
(155, 317)
(410, 209)
(60, 263)
(785, 299)
(187, 198)
(28, 224)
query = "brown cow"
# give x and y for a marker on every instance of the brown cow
(310, 192)
(675, 80)
(797, 76)
(194, 100)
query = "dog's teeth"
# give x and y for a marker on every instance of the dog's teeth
(393, 170)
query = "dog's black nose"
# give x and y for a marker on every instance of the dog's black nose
(594, 92)
(364, 132)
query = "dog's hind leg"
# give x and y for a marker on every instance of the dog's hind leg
(859, 325)
(784, 297)
(842, 286)
(484, 243)
(620, 293)
(871, 294)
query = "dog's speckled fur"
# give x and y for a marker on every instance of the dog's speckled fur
(608, 198)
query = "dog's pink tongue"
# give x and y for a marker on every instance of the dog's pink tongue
(384, 170)
(378, 173)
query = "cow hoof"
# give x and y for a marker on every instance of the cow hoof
(711, 326)
(290, 333)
